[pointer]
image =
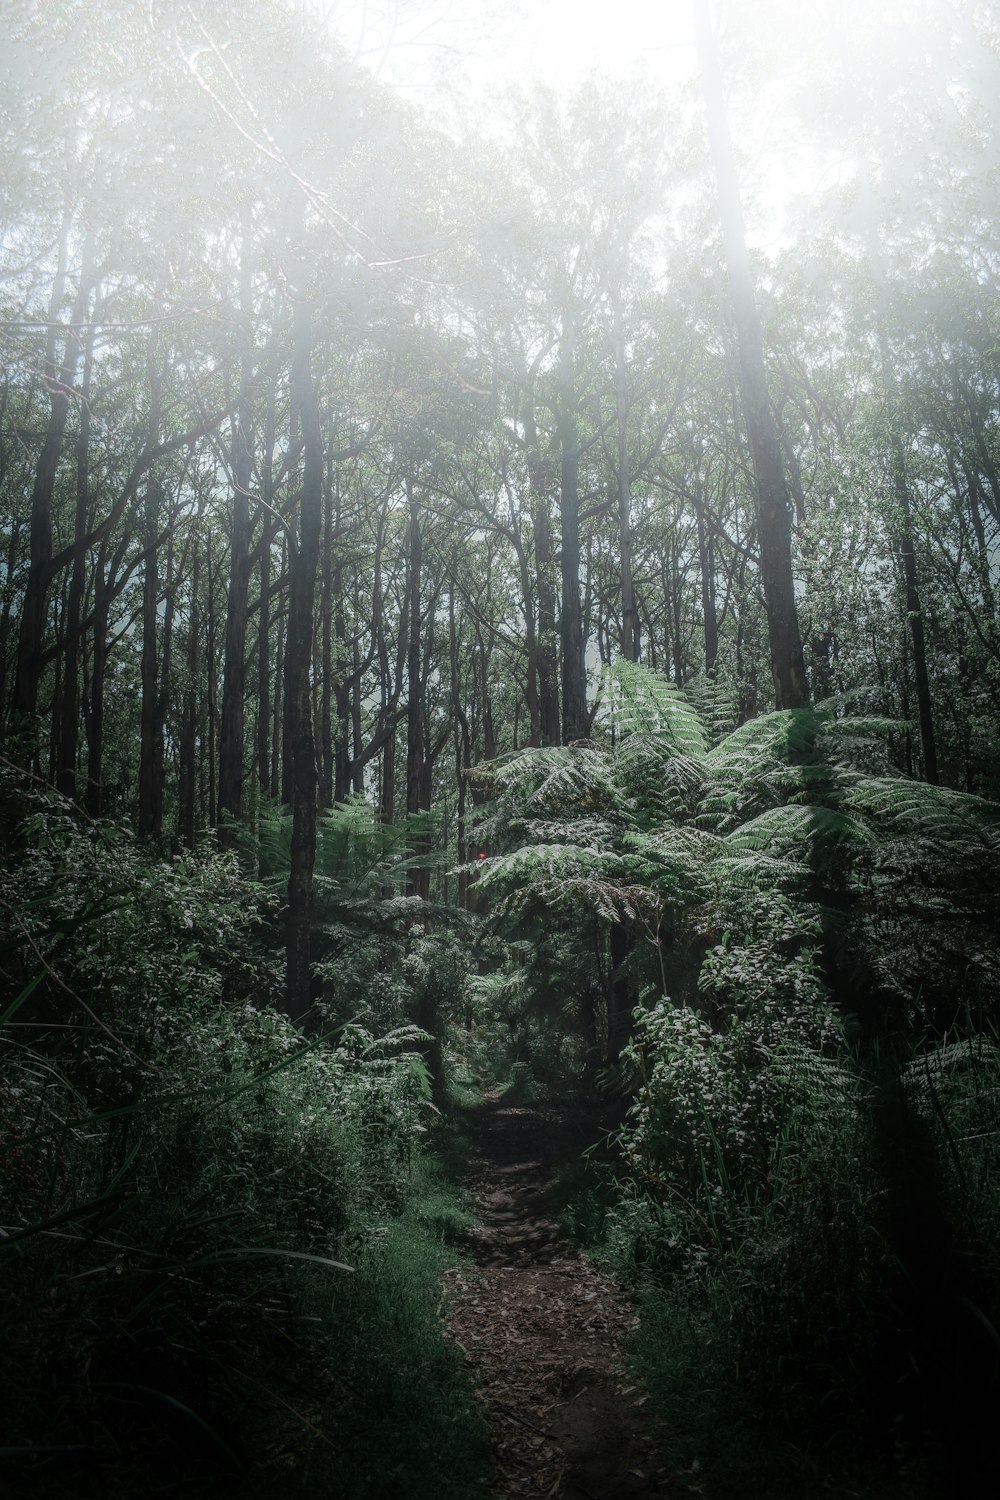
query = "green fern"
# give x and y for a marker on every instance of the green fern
(639, 701)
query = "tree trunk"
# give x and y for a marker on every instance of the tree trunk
(903, 523)
(151, 728)
(94, 716)
(574, 675)
(264, 616)
(327, 789)
(414, 689)
(629, 641)
(232, 717)
(298, 660)
(388, 797)
(547, 664)
(914, 616)
(34, 606)
(706, 563)
(209, 738)
(774, 532)
(69, 734)
(187, 777)
(278, 707)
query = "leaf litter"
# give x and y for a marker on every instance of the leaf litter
(543, 1328)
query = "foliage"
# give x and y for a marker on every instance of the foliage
(205, 1215)
(774, 1171)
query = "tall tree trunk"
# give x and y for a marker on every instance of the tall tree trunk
(574, 675)
(630, 615)
(263, 724)
(460, 728)
(233, 713)
(187, 779)
(903, 520)
(357, 737)
(278, 708)
(547, 663)
(69, 733)
(298, 660)
(327, 789)
(55, 717)
(264, 617)
(34, 606)
(342, 697)
(388, 796)
(914, 614)
(210, 736)
(151, 728)
(94, 716)
(774, 531)
(414, 686)
(706, 564)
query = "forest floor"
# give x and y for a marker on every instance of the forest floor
(542, 1327)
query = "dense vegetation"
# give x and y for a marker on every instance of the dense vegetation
(466, 618)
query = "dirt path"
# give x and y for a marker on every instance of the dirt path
(542, 1326)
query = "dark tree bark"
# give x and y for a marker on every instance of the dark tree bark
(415, 751)
(388, 794)
(549, 728)
(326, 667)
(263, 727)
(914, 614)
(209, 738)
(34, 606)
(298, 661)
(774, 531)
(105, 574)
(187, 768)
(232, 728)
(706, 568)
(69, 732)
(575, 721)
(629, 641)
(462, 741)
(360, 755)
(903, 520)
(151, 727)
(278, 708)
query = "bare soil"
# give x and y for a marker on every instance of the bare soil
(543, 1327)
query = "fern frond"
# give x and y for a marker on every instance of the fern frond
(751, 872)
(715, 703)
(537, 865)
(640, 701)
(660, 785)
(795, 830)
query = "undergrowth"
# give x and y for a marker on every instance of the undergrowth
(806, 1200)
(222, 1242)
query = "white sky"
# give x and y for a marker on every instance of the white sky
(489, 44)
(463, 54)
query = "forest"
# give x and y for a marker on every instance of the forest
(499, 761)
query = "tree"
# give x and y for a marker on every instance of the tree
(773, 500)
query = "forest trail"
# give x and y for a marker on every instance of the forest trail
(543, 1327)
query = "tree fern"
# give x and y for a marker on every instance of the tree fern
(639, 701)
